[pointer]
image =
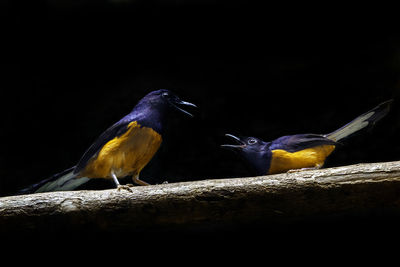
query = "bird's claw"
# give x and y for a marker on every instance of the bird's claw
(124, 187)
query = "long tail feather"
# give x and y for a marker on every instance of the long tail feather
(63, 181)
(367, 119)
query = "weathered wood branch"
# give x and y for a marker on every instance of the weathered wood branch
(359, 189)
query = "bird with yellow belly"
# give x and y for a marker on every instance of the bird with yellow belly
(300, 151)
(122, 150)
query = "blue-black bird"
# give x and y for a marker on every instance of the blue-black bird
(300, 151)
(122, 150)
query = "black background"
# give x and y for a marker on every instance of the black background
(70, 70)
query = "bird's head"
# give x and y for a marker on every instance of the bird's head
(164, 99)
(254, 151)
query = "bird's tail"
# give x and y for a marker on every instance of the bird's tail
(63, 181)
(367, 119)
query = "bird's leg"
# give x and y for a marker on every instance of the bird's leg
(137, 181)
(117, 184)
(115, 179)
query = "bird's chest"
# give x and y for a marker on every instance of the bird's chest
(126, 154)
(282, 160)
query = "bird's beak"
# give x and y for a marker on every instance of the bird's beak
(240, 144)
(180, 102)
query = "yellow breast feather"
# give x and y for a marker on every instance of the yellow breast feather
(125, 155)
(282, 161)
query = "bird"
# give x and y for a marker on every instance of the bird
(299, 152)
(122, 150)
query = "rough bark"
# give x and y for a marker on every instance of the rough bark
(341, 191)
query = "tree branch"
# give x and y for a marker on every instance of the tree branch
(355, 189)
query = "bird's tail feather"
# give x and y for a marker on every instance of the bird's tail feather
(367, 119)
(63, 181)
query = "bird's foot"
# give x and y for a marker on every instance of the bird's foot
(124, 187)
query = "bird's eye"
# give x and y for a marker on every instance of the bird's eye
(165, 94)
(252, 141)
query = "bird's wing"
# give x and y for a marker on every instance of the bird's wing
(297, 142)
(115, 130)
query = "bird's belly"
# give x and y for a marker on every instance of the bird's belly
(125, 155)
(282, 160)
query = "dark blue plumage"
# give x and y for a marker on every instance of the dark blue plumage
(148, 112)
(124, 148)
(300, 150)
(296, 142)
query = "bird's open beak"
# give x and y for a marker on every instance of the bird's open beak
(180, 102)
(240, 144)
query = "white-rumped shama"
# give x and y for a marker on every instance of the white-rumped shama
(122, 150)
(300, 151)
